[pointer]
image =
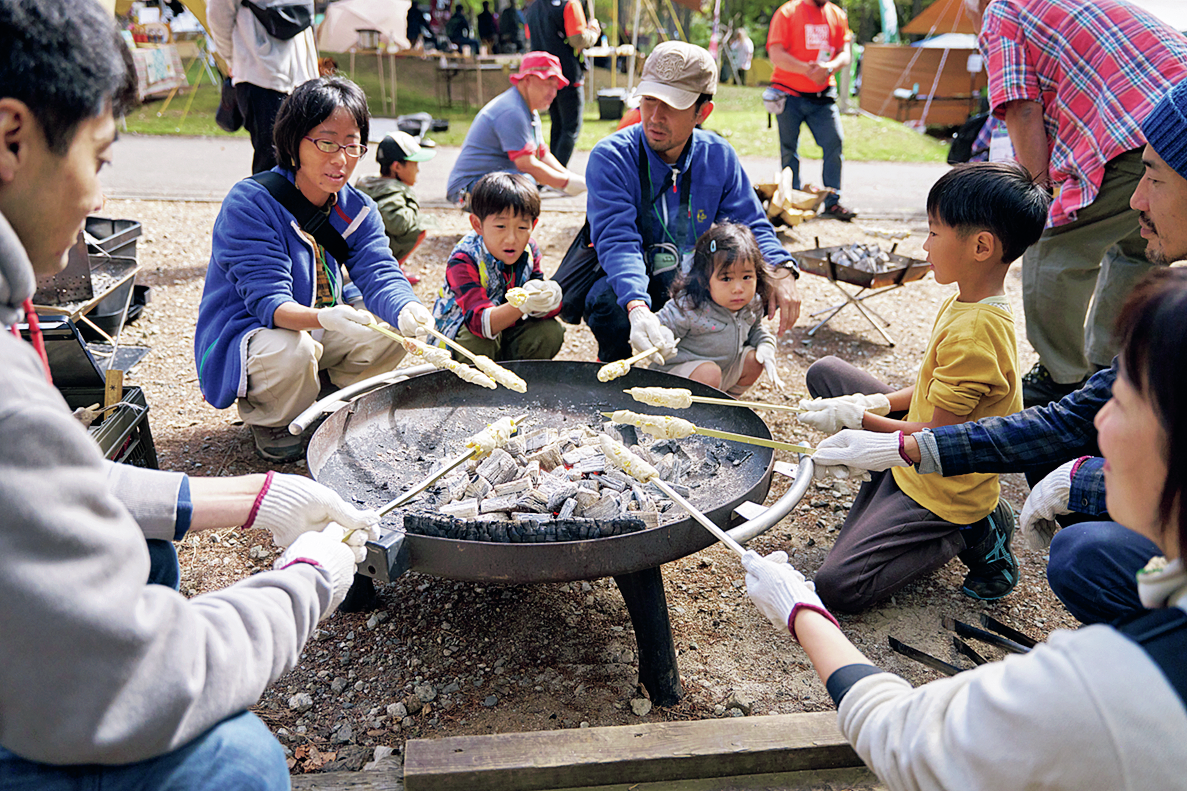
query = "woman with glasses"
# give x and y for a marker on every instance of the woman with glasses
(272, 316)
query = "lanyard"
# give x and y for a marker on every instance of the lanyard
(685, 195)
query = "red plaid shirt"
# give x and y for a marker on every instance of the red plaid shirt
(1098, 67)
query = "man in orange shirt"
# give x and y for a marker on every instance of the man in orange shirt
(809, 42)
(560, 27)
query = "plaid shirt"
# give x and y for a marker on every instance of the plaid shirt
(1033, 439)
(1098, 67)
(476, 281)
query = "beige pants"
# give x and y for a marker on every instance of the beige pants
(283, 366)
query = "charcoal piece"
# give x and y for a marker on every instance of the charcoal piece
(585, 498)
(539, 439)
(578, 454)
(604, 508)
(514, 486)
(642, 452)
(497, 504)
(591, 465)
(616, 484)
(478, 488)
(568, 509)
(530, 518)
(533, 501)
(457, 487)
(665, 466)
(499, 467)
(531, 471)
(650, 518)
(463, 509)
(515, 446)
(664, 505)
(522, 530)
(663, 447)
(628, 433)
(558, 496)
(549, 457)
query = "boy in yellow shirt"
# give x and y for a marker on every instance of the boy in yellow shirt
(981, 217)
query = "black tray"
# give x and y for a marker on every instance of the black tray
(906, 270)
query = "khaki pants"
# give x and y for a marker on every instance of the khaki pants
(1095, 260)
(283, 366)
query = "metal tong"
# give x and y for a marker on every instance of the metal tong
(1001, 636)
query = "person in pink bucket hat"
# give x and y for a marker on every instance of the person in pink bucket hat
(507, 135)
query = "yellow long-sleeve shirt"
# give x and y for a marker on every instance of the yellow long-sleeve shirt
(970, 369)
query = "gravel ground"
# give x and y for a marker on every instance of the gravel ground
(444, 658)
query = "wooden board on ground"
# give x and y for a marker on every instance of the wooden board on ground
(650, 752)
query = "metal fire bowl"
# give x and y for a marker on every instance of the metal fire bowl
(387, 440)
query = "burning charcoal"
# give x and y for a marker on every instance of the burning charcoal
(520, 516)
(516, 486)
(538, 439)
(499, 467)
(579, 454)
(515, 446)
(557, 497)
(643, 453)
(531, 471)
(650, 518)
(492, 504)
(663, 505)
(593, 484)
(663, 447)
(463, 509)
(666, 466)
(549, 457)
(478, 488)
(457, 488)
(617, 484)
(568, 509)
(585, 498)
(534, 501)
(604, 508)
(591, 465)
(615, 474)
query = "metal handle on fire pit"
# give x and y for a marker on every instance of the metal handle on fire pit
(780, 508)
(335, 401)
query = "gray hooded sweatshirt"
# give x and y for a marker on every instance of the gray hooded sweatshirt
(95, 665)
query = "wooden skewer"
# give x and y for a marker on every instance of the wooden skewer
(728, 402)
(640, 356)
(744, 438)
(451, 343)
(382, 330)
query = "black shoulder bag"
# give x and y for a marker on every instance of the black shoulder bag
(283, 19)
(311, 219)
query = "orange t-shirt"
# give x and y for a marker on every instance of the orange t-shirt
(805, 29)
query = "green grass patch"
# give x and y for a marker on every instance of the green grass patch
(737, 115)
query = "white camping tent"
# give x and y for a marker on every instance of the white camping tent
(339, 31)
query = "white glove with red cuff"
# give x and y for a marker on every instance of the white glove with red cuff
(766, 356)
(290, 505)
(648, 333)
(349, 322)
(575, 185)
(1048, 499)
(830, 415)
(327, 550)
(414, 320)
(778, 590)
(544, 296)
(850, 454)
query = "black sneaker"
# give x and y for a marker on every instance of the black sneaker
(837, 212)
(1039, 389)
(276, 444)
(993, 569)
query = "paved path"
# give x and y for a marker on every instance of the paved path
(151, 167)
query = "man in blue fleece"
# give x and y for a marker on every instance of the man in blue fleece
(648, 204)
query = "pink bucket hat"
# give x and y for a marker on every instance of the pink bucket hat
(540, 64)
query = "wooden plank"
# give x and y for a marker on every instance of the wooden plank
(388, 780)
(649, 752)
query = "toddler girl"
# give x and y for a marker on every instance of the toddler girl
(716, 311)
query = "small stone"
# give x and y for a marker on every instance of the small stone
(425, 692)
(641, 707)
(344, 734)
(397, 710)
(738, 703)
(490, 701)
(338, 684)
(300, 702)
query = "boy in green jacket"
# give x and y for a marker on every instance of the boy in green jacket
(399, 159)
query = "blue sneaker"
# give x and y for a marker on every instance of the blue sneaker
(993, 569)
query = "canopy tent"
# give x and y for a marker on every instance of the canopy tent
(950, 16)
(338, 32)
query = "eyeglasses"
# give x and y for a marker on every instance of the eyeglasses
(355, 150)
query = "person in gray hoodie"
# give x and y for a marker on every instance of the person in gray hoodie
(106, 681)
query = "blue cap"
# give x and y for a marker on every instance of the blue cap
(1165, 128)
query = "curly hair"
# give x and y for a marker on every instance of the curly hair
(720, 247)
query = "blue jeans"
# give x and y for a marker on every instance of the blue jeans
(239, 753)
(1093, 569)
(824, 121)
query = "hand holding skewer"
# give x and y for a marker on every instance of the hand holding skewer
(667, 427)
(438, 357)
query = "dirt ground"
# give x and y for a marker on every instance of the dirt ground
(443, 658)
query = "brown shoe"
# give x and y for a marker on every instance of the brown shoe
(837, 212)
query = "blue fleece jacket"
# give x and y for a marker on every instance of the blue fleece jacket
(720, 190)
(259, 260)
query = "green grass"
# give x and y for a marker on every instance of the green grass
(737, 115)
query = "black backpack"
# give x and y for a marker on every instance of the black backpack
(283, 19)
(1163, 635)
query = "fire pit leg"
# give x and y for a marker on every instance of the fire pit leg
(361, 597)
(643, 592)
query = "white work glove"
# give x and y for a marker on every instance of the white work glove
(830, 415)
(1048, 499)
(325, 549)
(765, 354)
(544, 296)
(778, 590)
(850, 454)
(648, 333)
(349, 322)
(414, 320)
(575, 185)
(290, 505)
